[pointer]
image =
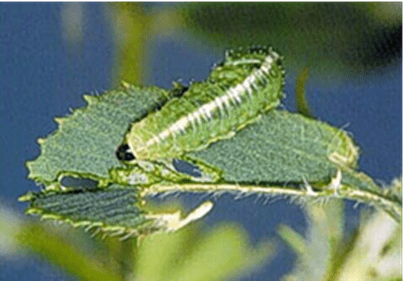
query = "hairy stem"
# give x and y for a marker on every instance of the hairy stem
(333, 190)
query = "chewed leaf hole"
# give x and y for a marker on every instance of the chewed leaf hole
(78, 183)
(187, 168)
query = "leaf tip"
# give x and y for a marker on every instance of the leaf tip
(59, 120)
(29, 196)
(33, 211)
(90, 99)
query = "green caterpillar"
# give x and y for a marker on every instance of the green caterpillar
(246, 84)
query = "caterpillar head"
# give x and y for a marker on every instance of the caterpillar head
(124, 153)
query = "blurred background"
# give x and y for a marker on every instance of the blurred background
(349, 56)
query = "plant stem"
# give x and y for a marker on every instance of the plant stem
(343, 191)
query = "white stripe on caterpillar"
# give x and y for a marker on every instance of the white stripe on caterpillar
(245, 85)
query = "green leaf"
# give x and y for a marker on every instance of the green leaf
(117, 210)
(65, 249)
(282, 147)
(278, 151)
(85, 141)
(221, 254)
(112, 209)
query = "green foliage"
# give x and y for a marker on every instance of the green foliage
(280, 153)
(274, 155)
(89, 208)
(371, 253)
(281, 147)
(330, 38)
(224, 252)
(86, 141)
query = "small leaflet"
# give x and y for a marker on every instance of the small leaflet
(115, 210)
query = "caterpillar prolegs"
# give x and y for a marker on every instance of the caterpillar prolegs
(246, 84)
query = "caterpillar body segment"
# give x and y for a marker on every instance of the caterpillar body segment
(245, 85)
